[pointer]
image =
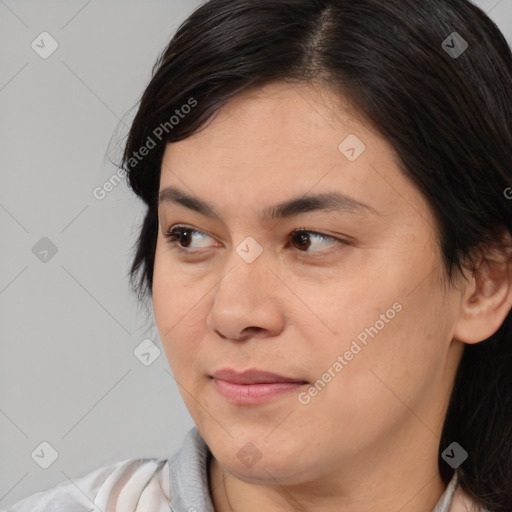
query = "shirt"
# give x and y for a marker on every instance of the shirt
(178, 484)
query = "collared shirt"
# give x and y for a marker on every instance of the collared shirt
(178, 484)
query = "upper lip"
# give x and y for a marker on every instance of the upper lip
(252, 376)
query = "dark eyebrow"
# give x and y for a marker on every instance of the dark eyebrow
(328, 201)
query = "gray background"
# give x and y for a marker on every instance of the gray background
(69, 323)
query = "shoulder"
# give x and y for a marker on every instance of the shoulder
(462, 502)
(455, 499)
(129, 485)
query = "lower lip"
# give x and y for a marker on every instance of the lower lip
(248, 394)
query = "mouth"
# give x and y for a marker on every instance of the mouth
(253, 386)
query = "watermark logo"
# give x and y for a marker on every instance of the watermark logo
(161, 130)
(44, 45)
(151, 142)
(44, 250)
(147, 352)
(454, 45)
(352, 147)
(304, 397)
(100, 193)
(454, 455)
(249, 250)
(45, 455)
(249, 455)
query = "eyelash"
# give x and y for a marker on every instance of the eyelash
(173, 240)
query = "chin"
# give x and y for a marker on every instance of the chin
(267, 471)
(258, 458)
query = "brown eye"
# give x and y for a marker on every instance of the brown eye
(183, 236)
(303, 239)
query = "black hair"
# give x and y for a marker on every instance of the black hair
(435, 79)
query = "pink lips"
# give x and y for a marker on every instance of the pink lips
(252, 386)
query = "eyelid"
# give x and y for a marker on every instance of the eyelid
(170, 238)
(337, 239)
(344, 241)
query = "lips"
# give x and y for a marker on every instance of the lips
(253, 377)
(253, 387)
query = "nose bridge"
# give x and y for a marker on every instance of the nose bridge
(244, 296)
(246, 276)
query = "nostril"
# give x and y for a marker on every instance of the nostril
(248, 331)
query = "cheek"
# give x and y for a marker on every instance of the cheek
(398, 366)
(175, 306)
(174, 295)
(399, 370)
(393, 338)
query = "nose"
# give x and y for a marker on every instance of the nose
(247, 302)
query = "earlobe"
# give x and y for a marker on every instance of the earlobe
(487, 298)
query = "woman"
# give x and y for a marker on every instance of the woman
(328, 250)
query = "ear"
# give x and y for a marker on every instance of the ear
(487, 298)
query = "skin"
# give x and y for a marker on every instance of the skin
(368, 441)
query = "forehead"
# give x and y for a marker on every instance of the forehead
(279, 116)
(286, 140)
(279, 126)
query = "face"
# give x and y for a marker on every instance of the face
(341, 297)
